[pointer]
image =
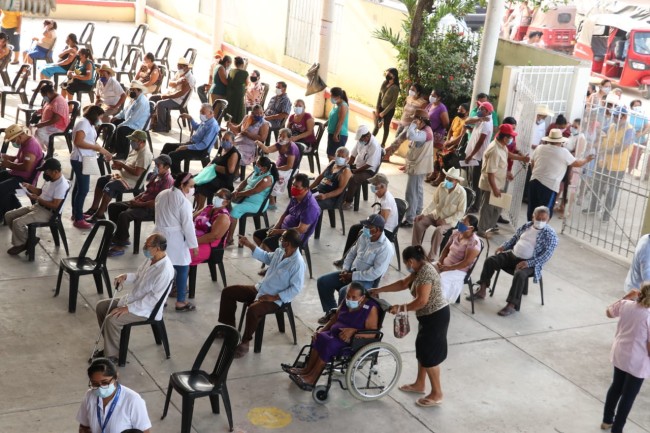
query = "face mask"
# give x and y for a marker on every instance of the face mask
(509, 141)
(104, 80)
(295, 191)
(253, 79)
(105, 391)
(217, 201)
(606, 90)
(47, 177)
(147, 254)
(256, 169)
(389, 77)
(352, 305)
(283, 142)
(226, 145)
(462, 115)
(462, 228)
(410, 269)
(334, 101)
(366, 232)
(14, 144)
(412, 93)
(203, 118)
(134, 145)
(154, 172)
(433, 99)
(448, 184)
(574, 131)
(638, 109)
(258, 118)
(278, 91)
(481, 113)
(373, 189)
(133, 94)
(539, 122)
(190, 193)
(340, 161)
(46, 99)
(539, 224)
(299, 110)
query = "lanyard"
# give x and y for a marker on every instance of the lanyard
(110, 409)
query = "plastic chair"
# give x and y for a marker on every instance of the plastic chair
(86, 39)
(219, 107)
(312, 154)
(279, 316)
(541, 284)
(17, 87)
(468, 277)
(340, 199)
(183, 107)
(190, 55)
(402, 207)
(75, 109)
(215, 259)
(4, 64)
(137, 228)
(256, 216)
(147, 126)
(162, 54)
(30, 108)
(137, 188)
(110, 52)
(105, 131)
(56, 228)
(157, 326)
(82, 265)
(304, 248)
(137, 40)
(296, 168)
(364, 187)
(265, 93)
(197, 383)
(470, 197)
(129, 64)
(49, 58)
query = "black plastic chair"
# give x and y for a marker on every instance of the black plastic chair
(204, 156)
(17, 87)
(468, 277)
(157, 326)
(340, 199)
(312, 155)
(49, 58)
(86, 38)
(147, 126)
(129, 64)
(75, 109)
(304, 248)
(363, 188)
(256, 216)
(279, 316)
(137, 229)
(265, 93)
(137, 40)
(4, 64)
(182, 108)
(31, 107)
(137, 188)
(470, 197)
(190, 55)
(162, 55)
(197, 383)
(56, 228)
(541, 284)
(110, 52)
(215, 259)
(402, 207)
(82, 265)
(105, 131)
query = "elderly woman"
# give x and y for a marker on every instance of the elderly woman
(630, 356)
(83, 78)
(331, 183)
(149, 73)
(211, 225)
(66, 59)
(457, 257)
(174, 221)
(432, 311)
(288, 160)
(253, 128)
(226, 166)
(357, 313)
(121, 407)
(301, 125)
(41, 46)
(250, 194)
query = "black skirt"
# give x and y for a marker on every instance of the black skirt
(431, 341)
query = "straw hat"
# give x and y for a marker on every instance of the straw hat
(183, 61)
(454, 173)
(106, 68)
(138, 85)
(544, 110)
(555, 136)
(14, 131)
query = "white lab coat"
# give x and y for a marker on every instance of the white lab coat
(174, 221)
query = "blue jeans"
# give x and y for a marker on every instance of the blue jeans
(80, 190)
(181, 282)
(330, 283)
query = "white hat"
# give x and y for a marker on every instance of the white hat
(135, 84)
(544, 110)
(361, 131)
(555, 136)
(454, 173)
(613, 98)
(183, 61)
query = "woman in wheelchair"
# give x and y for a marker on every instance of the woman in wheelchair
(358, 312)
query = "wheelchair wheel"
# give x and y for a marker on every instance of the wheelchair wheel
(373, 371)
(320, 394)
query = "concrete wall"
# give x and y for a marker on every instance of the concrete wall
(94, 10)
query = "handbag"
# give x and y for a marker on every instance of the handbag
(316, 83)
(207, 175)
(401, 326)
(89, 166)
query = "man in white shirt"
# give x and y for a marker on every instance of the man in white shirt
(539, 128)
(179, 87)
(109, 92)
(46, 201)
(444, 211)
(150, 282)
(476, 146)
(365, 160)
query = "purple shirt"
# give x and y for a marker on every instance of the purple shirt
(293, 150)
(306, 211)
(31, 146)
(630, 348)
(434, 117)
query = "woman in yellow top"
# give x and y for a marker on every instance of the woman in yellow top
(43, 44)
(385, 109)
(447, 157)
(10, 26)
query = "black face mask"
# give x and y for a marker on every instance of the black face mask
(133, 94)
(389, 77)
(253, 79)
(462, 115)
(47, 177)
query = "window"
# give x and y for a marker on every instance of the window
(303, 33)
(564, 18)
(206, 7)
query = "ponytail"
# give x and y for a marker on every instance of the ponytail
(415, 252)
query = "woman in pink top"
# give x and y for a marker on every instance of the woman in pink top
(55, 115)
(461, 251)
(211, 225)
(630, 356)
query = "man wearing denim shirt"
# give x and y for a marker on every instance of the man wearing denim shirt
(133, 117)
(281, 284)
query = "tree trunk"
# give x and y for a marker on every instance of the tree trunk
(422, 8)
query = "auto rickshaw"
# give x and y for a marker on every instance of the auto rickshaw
(618, 48)
(558, 26)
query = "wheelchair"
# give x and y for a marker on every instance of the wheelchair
(368, 368)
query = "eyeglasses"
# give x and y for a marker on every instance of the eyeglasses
(104, 384)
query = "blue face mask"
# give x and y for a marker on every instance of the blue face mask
(410, 269)
(366, 232)
(352, 304)
(256, 169)
(226, 145)
(462, 228)
(258, 118)
(509, 141)
(448, 184)
(373, 189)
(147, 254)
(104, 80)
(340, 161)
(105, 391)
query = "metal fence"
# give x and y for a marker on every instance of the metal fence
(303, 21)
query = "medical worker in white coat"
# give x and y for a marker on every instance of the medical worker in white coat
(174, 221)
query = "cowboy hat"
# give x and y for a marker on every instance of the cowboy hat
(544, 110)
(106, 68)
(555, 136)
(183, 61)
(135, 84)
(454, 173)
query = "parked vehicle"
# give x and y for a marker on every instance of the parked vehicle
(557, 25)
(618, 48)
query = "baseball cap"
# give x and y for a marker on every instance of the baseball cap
(374, 220)
(487, 106)
(164, 160)
(507, 130)
(378, 178)
(138, 135)
(50, 164)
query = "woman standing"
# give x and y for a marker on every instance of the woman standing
(83, 78)
(84, 136)
(439, 120)
(211, 225)
(174, 221)
(236, 90)
(301, 124)
(630, 356)
(121, 407)
(220, 80)
(385, 109)
(432, 312)
(337, 121)
(414, 101)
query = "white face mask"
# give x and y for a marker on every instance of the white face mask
(539, 224)
(412, 93)
(217, 201)
(189, 194)
(203, 118)
(433, 99)
(278, 91)
(606, 90)
(299, 110)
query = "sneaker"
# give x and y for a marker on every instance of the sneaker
(405, 224)
(502, 220)
(82, 224)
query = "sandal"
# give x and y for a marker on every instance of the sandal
(114, 252)
(301, 383)
(409, 388)
(474, 295)
(186, 308)
(427, 402)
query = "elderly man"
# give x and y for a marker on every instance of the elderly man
(539, 129)
(141, 207)
(46, 200)
(614, 154)
(523, 255)
(109, 93)
(364, 161)
(278, 109)
(55, 116)
(301, 214)
(640, 270)
(124, 178)
(365, 263)
(281, 284)
(179, 88)
(201, 142)
(446, 209)
(150, 282)
(132, 118)
(482, 129)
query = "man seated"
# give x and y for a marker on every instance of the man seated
(54, 116)
(132, 118)
(278, 109)
(109, 93)
(179, 87)
(367, 261)
(141, 207)
(46, 201)
(124, 178)
(201, 142)
(301, 214)
(446, 209)
(17, 169)
(281, 284)
(523, 255)
(359, 312)
(365, 160)
(150, 282)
